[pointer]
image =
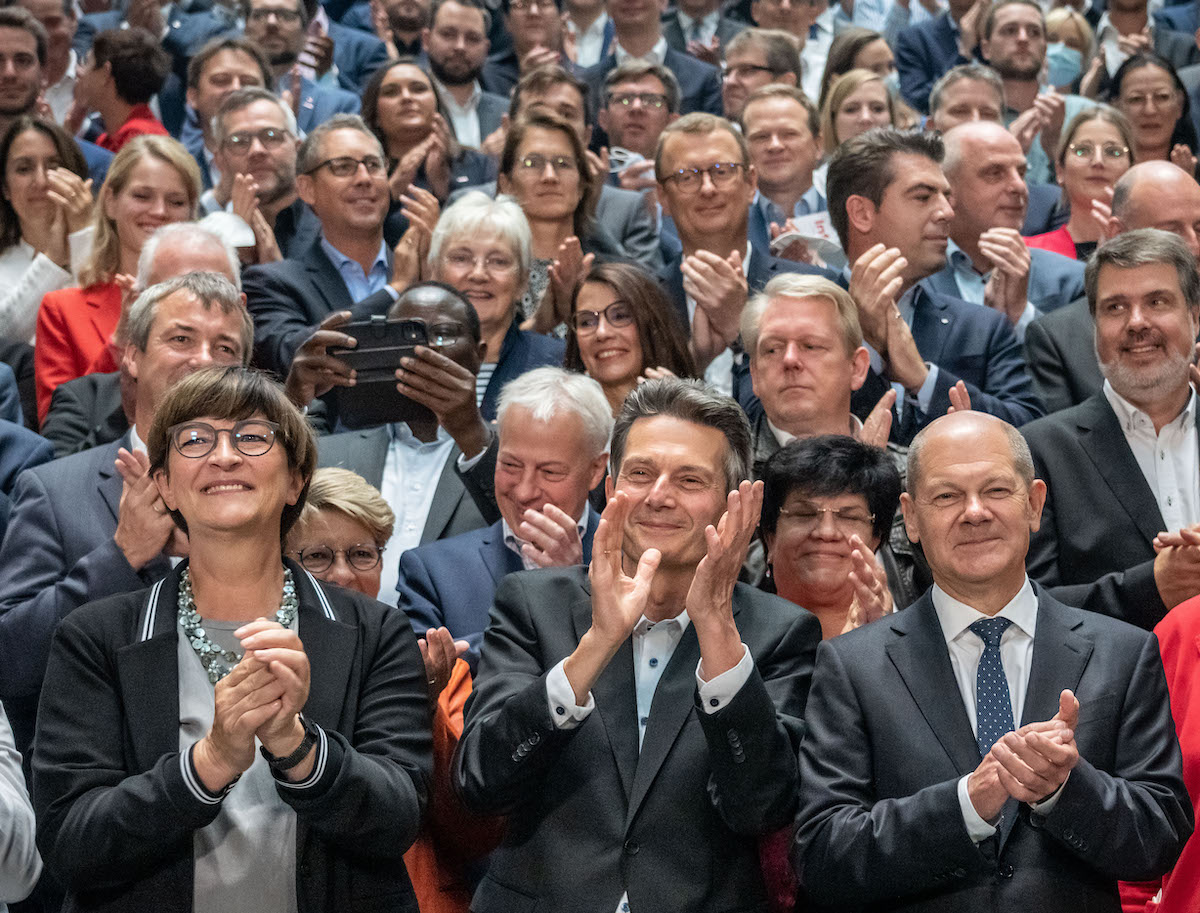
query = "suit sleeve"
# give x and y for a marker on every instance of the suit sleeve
(67, 424)
(851, 848)
(918, 71)
(480, 481)
(753, 740)
(421, 601)
(1130, 824)
(37, 587)
(1046, 369)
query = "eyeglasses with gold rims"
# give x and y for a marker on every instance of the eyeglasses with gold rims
(846, 520)
(250, 437)
(319, 558)
(689, 180)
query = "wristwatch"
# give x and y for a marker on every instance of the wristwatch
(301, 752)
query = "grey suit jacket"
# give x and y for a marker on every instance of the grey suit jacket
(453, 511)
(1060, 352)
(672, 30)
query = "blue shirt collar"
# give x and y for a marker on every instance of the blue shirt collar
(340, 260)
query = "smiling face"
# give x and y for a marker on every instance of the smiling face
(226, 491)
(486, 270)
(971, 511)
(30, 157)
(709, 210)
(1145, 332)
(407, 103)
(862, 109)
(20, 72)
(673, 472)
(783, 149)
(611, 355)
(1153, 105)
(154, 195)
(338, 531)
(1091, 177)
(548, 193)
(347, 205)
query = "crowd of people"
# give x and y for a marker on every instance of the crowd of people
(784, 495)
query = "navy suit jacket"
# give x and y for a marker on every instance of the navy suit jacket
(1054, 280)
(450, 583)
(20, 449)
(1043, 212)
(699, 82)
(521, 351)
(923, 53)
(672, 30)
(187, 32)
(357, 55)
(967, 342)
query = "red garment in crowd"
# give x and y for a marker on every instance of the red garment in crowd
(141, 120)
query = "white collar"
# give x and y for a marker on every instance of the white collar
(657, 54)
(956, 617)
(1128, 413)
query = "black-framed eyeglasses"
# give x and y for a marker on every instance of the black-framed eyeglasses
(689, 180)
(345, 166)
(1113, 151)
(645, 99)
(365, 556)
(240, 143)
(538, 163)
(743, 70)
(283, 15)
(845, 519)
(250, 437)
(617, 315)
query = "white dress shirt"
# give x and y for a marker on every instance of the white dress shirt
(816, 52)
(589, 42)
(61, 95)
(1168, 459)
(26, 276)
(656, 54)
(411, 471)
(1016, 656)
(654, 644)
(464, 118)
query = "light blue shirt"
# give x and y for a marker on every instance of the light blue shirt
(812, 201)
(972, 284)
(360, 285)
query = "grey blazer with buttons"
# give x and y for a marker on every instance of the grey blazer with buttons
(589, 815)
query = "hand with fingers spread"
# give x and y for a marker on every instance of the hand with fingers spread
(566, 274)
(618, 600)
(960, 398)
(872, 598)
(551, 538)
(447, 389)
(638, 176)
(1027, 125)
(875, 282)
(1182, 157)
(709, 600)
(439, 650)
(970, 28)
(1007, 290)
(314, 371)
(243, 196)
(408, 259)
(144, 524)
(878, 426)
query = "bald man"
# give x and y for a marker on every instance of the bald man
(1058, 346)
(987, 261)
(1039, 760)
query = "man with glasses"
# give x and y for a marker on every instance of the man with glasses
(342, 177)
(413, 463)
(457, 45)
(987, 261)
(755, 58)
(255, 137)
(640, 99)
(553, 431)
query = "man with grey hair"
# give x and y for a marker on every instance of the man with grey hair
(1040, 759)
(343, 178)
(552, 450)
(638, 721)
(753, 59)
(1124, 465)
(92, 524)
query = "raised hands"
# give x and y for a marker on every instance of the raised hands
(314, 371)
(1007, 290)
(447, 389)
(878, 427)
(566, 275)
(718, 286)
(72, 198)
(421, 208)
(872, 598)
(551, 538)
(875, 282)
(144, 525)
(439, 650)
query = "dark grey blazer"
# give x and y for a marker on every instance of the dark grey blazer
(672, 30)
(1061, 355)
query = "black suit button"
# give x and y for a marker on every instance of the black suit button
(632, 847)
(1006, 871)
(515, 756)
(535, 738)
(713, 702)
(960, 873)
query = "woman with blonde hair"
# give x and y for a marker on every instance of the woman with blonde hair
(857, 101)
(151, 182)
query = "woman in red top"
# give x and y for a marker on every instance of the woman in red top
(118, 77)
(1095, 150)
(152, 181)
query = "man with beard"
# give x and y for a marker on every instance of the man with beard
(399, 24)
(457, 45)
(1123, 466)
(254, 135)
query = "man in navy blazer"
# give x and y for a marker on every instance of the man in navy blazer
(183, 31)
(988, 262)
(552, 450)
(888, 200)
(927, 50)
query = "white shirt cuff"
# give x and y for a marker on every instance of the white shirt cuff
(561, 697)
(1027, 317)
(977, 829)
(466, 465)
(1046, 806)
(718, 692)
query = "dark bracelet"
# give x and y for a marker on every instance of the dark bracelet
(301, 752)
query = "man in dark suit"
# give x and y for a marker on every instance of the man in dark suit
(888, 202)
(92, 524)
(456, 45)
(638, 33)
(697, 27)
(183, 31)
(1121, 466)
(756, 58)
(639, 771)
(551, 451)
(355, 54)
(536, 41)
(987, 260)
(640, 99)
(918, 791)
(348, 266)
(1058, 347)
(927, 50)
(1129, 20)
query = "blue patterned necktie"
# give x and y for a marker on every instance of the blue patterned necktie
(993, 706)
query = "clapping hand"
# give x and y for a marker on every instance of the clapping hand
(872, 597)
(439, 651)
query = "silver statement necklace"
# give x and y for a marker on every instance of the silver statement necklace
(217, 662)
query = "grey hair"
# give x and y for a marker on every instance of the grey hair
(188, 233)
(309, 156)
(244, 98)
(550, 392)
(1144, 247)
(209, 288)
(800, 285)
(976, 71)
(690, 401)
(1022, 458)
(475, 214)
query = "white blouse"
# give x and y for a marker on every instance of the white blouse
(26, 276)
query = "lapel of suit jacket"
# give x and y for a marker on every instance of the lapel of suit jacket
(942, 282)
(497, 557)
(330, 645)
(931, 324)
(920, 655)
(111, 483)
(615, 694)
(1101, 438)
(672, 279)
(327, 280)
(374, 450)
(446, 497)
